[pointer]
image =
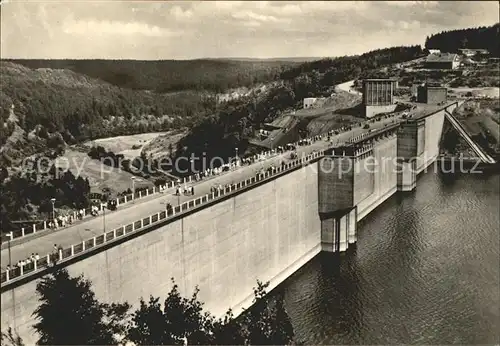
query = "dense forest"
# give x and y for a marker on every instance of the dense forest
(21, 193)
(81, 107)
(482, 37)
(233, 125)
(171, 75)
(87, 99)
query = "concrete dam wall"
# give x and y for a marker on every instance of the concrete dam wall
(265, 233)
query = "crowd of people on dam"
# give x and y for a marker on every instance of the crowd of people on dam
(61, 221)
(26, 263)
(186, 191)
(65, 220)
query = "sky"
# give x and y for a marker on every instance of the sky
(154, 30)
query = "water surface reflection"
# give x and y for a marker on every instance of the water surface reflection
(425, 270)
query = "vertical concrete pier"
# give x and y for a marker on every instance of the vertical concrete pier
(352, 222)
(338, 230)
(407, 175)
(337, 211)
(352, 181)
(411, 145)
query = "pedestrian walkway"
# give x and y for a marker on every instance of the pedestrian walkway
(96, 226)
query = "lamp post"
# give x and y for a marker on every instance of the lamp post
(236, 151)
(178, 191)
(133, 189)
(11, 236)
(104, 216)
(53, 200)
(104, 219)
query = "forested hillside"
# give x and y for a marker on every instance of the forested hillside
(83, 107)
(80, 107)
(482, 37)
(232, 126)
(171, 75)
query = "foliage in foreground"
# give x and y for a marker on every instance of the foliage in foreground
(8, 338)
(70, 314)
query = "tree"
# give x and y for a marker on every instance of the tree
(267, 322)
(69, 313)
(9, 339)
(180, 319)
(228, 331)
(149, 326)
(464, 42)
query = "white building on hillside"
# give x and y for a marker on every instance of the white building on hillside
(314, 102)
(309, 102)
(442, 61)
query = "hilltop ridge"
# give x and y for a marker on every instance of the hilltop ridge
(484, 37)
(169, 75)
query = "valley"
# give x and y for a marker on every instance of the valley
(137, 110)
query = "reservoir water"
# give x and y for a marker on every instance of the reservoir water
(425, 270)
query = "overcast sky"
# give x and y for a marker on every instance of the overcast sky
(260, 29)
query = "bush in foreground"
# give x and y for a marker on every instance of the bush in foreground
(70, 314)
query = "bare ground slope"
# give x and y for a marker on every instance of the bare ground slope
(99, 175)
(161, 145)
(128, 146)
(340, 109)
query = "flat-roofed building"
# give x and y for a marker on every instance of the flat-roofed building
(309, 102)
(432, 94)
(378, 96)
(442, 61)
